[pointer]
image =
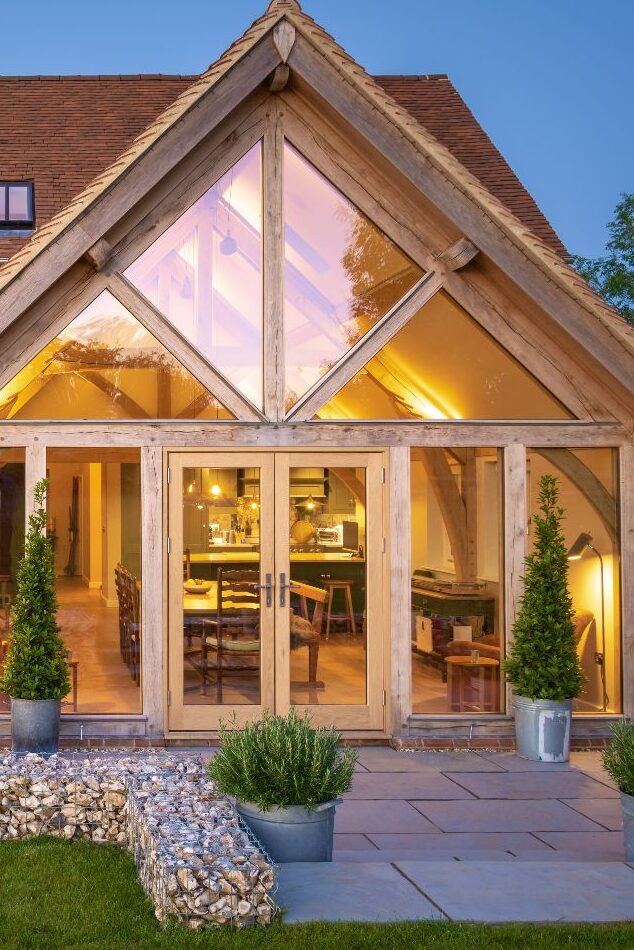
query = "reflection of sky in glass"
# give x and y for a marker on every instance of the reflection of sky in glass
(205, 274)
(18, 203)
(341, 274)
(106, 365)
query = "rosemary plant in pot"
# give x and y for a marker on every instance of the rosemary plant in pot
(618, 760)
(36, 670)
(543, 666)
(287, 778)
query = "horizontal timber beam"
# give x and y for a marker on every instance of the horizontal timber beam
(205, 435)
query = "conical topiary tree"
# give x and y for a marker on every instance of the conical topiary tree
(543, 661)
(36, 666)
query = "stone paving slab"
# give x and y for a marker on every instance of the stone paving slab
(532, 785)
(406, 785)
(375, 893)
(605, 811)
(521, 891)
(511, 762)
(456, 843)
(493, 815)
(359, 816)
(389, 760)
(586, 844)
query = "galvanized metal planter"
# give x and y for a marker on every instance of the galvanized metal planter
(542, 729)
(627, 804)
(293, 834)
(35, 725)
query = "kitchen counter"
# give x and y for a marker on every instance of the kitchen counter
(251, 557)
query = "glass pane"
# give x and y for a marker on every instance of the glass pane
(19, 203)
(456, 583)
(106, 365)
(443, 365)
(205, 274)
(94, 516)
(11, 544)
(3, 203)
(588, 494)
(328, 597)
(342, 274)
(221, 577)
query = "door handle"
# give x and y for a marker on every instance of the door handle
(268, 587)
(284, 587)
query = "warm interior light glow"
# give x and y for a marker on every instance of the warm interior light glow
(216, 490)
(310, 503)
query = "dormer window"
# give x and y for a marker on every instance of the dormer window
(17, 209)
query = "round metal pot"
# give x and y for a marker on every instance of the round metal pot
(627, 804)
(35, 725)
(293, 834)
(542, 729)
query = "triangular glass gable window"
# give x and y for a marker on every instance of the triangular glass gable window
(341, 274)
(106, 365)
(443, 365)
(205, 275)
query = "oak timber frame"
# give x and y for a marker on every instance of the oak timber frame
(334, 131)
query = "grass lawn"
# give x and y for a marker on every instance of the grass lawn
(60, 896)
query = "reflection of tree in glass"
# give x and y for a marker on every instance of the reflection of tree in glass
(379, 274)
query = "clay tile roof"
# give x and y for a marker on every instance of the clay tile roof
(62, 131)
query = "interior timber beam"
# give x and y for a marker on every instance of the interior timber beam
(367, 347)
(459, 254)
(451, 504)
(157, 324)
(588, 484)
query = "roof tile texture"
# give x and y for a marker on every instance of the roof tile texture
(60, 132)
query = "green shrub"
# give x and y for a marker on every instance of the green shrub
(618, 758)
(282, 761)
(36, 666)
(543, 661)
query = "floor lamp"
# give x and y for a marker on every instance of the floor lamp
(575, 553)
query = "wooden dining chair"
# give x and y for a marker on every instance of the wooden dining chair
(306, 626)
(231, 640)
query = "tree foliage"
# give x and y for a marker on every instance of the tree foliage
(36, 666)
(543, 661)
(613, 275)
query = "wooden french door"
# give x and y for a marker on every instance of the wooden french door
(275, 587)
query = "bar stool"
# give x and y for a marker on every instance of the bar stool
(332, 586)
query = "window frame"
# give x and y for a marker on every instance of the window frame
(21, 224)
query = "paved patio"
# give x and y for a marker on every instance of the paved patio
(470, 836)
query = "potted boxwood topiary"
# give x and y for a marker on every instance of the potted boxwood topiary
(618, 760)
(543, 665)
(36, 670)
(287, 778)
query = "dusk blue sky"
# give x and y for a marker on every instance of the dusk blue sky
(550, 80)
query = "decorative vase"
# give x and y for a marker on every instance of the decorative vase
(627, 805)
(295, 833)
(35, 725)
(542, 729)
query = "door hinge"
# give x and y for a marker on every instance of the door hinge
(383, 476)
(169, 697)
(385, 697)
(169, 474)
(169, 545)
(384, 545)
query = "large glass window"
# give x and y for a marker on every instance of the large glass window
(106, 365)
(443, 365)
(341, 274)
(205, 274)
(94, 516)
(11, 543)
(588, 494)
(456, 629)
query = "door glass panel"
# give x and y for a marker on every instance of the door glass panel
(106, 365)
(443, 365)
(205, 274)
(341, 274)
(221, 586)
(327, 517)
